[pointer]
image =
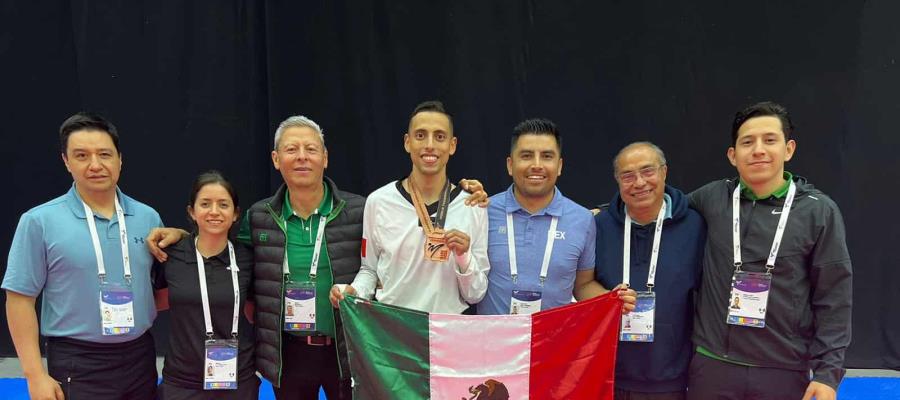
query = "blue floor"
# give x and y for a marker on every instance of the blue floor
(851, 389)
(17, 389)
(869, 388)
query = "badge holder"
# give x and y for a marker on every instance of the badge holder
(525, 302)
(638, 325)
(116, 309)
(300, 307)
(749, 298)
(220, 369)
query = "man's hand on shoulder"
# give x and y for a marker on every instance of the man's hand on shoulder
(160, 238)
(477, 194)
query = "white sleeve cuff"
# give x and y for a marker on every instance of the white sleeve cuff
(462, 261)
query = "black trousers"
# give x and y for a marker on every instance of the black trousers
(101, 371)
(628, 395)
(305, 368)
(711, 379)
(247, 389)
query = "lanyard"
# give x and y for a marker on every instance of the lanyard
(314, 264)
(204, 294)
(511, 238)
(422, 211)
(779, 231)
(95, 240)
(654, 253)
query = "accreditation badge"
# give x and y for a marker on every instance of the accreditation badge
(300, 307)
(637, 326)
(749, 296)
(436, 246)
(220, 367)
(116, 309)
(525, 302)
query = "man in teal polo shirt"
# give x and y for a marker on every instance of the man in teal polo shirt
(97, 301)
(775, 298)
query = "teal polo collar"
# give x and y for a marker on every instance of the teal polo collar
(73, 200)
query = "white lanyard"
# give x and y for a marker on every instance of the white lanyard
(95, 239)
(511, 238)
(779, 231)
(314, 264)
(654, 253)
(204, 294)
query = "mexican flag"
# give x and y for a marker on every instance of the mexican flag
(564, 353)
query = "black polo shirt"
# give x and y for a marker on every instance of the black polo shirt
(187, 332)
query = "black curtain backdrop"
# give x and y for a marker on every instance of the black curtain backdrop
(200, 85)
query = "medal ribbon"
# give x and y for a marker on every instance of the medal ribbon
(422, 211)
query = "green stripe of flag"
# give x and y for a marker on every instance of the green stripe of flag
(386, 363)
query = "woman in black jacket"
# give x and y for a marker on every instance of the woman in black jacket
(208, 279)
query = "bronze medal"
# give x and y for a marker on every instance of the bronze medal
(435, 238)
(436, 246)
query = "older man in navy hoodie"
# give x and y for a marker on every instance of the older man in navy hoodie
(664, 241)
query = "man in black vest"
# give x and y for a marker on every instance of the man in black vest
(318, 229)
(306, 237)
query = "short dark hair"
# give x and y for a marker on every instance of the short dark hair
(536, 126)
(209, 178)
(85, 121)
(763, 109)
(432, 106)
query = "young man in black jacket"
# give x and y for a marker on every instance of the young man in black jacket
(777, 244)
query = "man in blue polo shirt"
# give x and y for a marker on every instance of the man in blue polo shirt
(540, 243)
(97, 301)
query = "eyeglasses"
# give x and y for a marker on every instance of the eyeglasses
(646, 173)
